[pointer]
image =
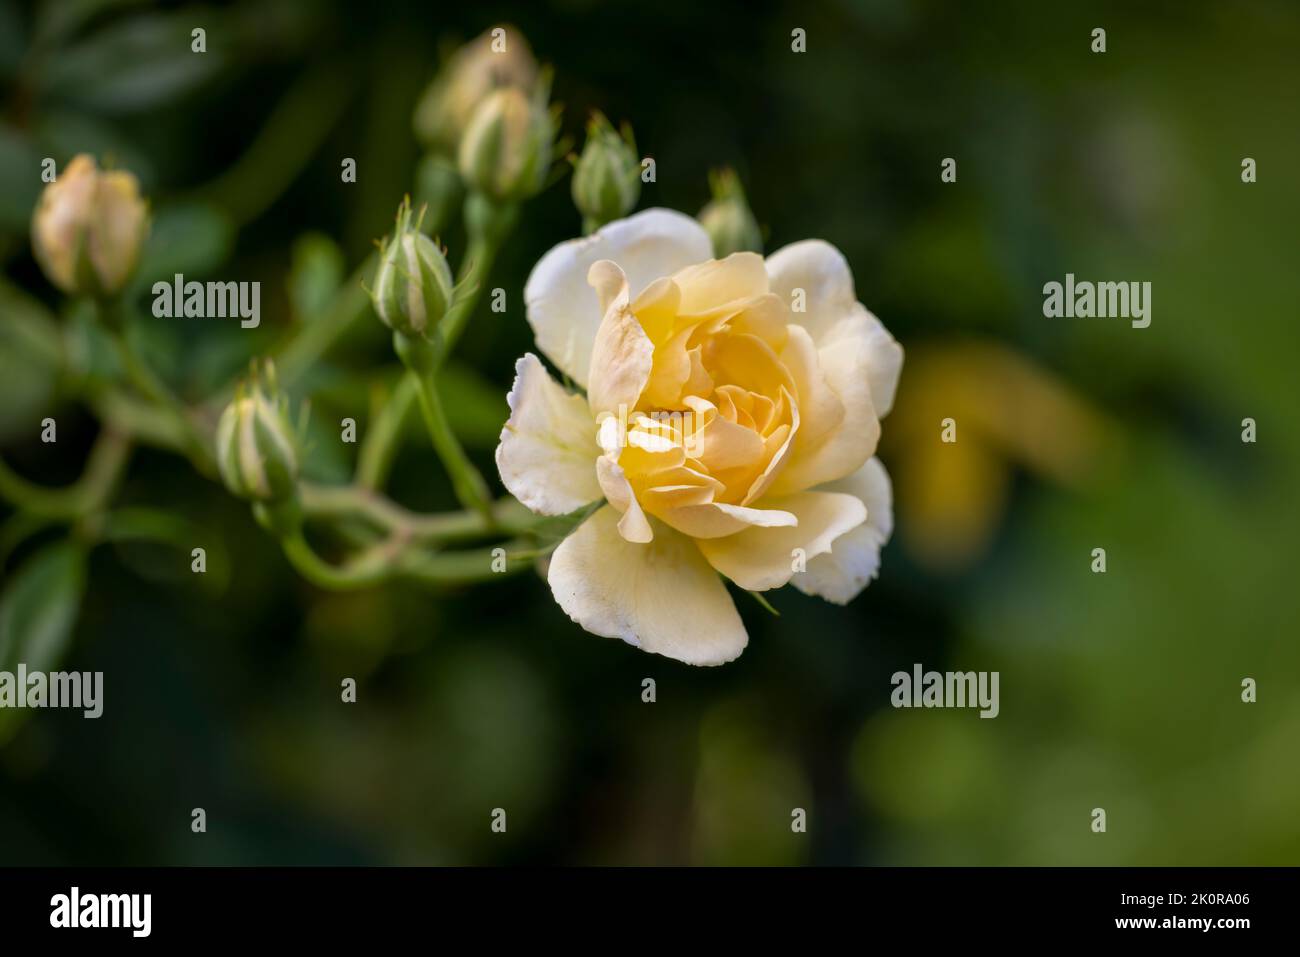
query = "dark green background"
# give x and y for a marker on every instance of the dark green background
(1119, 691)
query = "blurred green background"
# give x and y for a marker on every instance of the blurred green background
(1120, 691)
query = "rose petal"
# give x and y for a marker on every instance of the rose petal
(662, 596)
(822, 272)
(838, 428)
(622, 356)
(762, 558)
(563, 310)
(633, 526)
(854, 560)
(718, 519)
(548, 449)
(721, 285)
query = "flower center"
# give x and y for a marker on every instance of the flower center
(720, 405)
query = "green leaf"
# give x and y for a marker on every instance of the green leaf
(315, 275)
(55, 23)
(135, 64)
(18, 528)
(20, 171)
(148, 539)
(12, 40)
(38, 609)
(30, 359)
(192, 239)
(62, 134)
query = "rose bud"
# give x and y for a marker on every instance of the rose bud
(414, 286)
(485, 64)
(606, 180)
(88, 229)
(505, 153)
(257, 448)
(727, 217)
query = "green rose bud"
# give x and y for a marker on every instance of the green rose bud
(498, 58)
(414, 286)
(257, 448)
(727, 217)
(505, 153)
(606, 180)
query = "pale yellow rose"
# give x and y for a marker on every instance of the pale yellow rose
(728, 432)
(88, 228)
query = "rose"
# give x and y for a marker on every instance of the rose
(731, 415)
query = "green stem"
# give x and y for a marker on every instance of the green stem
(393, 558)
(153, 388)
(336, 503)
(488, 224)
(19, 527)
(470, 488)
(379, 446)
(141, 420)
(420, 359)
(104, 469)
(369, 567)
(305, 349)
(472, 278)
(465, 567)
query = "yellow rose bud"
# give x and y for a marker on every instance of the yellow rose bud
(727, 217)
(88, 228)
(256, 445)
(492, 61)
(506, 150)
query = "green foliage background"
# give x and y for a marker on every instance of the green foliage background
(1119, 691)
